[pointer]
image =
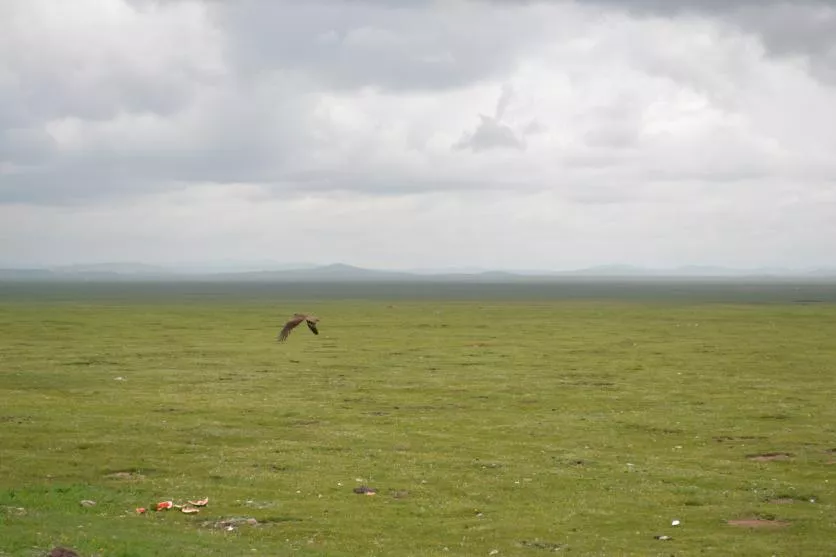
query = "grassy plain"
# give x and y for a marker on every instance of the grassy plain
(490, 426)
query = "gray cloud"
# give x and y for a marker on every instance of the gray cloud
(616, 125)
(492, 133)
(787, 28)
(237, 104)
(702, 6)
(391, 45)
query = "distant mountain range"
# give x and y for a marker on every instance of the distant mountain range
(302, 272)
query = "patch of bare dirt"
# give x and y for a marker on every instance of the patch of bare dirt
(20, 511)
(545, 546)
(15, 419)
(134, 476)
(732, 438)
(758, 523)
(782, 501)
(769, 457)
(62, 552)
(230, 524)
(365, 490)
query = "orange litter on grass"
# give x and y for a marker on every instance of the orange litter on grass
(191, 508)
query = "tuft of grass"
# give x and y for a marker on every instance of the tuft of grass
(518, 426)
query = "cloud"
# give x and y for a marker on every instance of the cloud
(598, 128)
(488, 229)
(389, 45)
(491, 132)
(799, 28)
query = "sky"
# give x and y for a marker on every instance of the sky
(403, 134)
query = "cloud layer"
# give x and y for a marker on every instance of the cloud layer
(418, 133)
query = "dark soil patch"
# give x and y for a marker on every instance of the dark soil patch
(787, 499)
(774, 417)
(126, 475)
(365, 490)
(303, 423)
(90, 362)
(231, 523)
(266, 521)
(654, 430)
(758, 523)
(589, 383)
(570, 461)
(769, 457)
(733, 438)
(62, 552)
(15, 419)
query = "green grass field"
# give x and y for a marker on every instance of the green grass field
(488, 426)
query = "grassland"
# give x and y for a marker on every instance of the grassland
(500, 426)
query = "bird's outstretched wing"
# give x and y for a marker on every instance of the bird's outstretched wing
(289, 326)
(312, 325)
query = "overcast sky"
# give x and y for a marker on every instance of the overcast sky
(419, 134)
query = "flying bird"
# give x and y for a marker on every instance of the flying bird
(297, 318)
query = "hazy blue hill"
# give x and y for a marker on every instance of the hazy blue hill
(609, 270)
(127, 268)
(335, 272)
(25, 274)
(341, 272)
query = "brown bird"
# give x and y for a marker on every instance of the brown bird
(297, 318)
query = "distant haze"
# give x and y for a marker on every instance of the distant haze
(340, 272)
(681, 136)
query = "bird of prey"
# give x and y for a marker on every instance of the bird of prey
(297, 318)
